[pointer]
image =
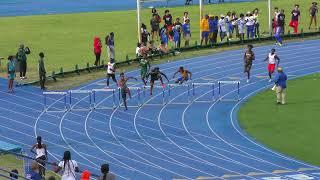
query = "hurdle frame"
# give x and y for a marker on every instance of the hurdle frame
(172, 86)
(154, 104)
(64, 94)
(203, 84)
(94, 104)
(229, 82)
(138, 89)
(89, 92)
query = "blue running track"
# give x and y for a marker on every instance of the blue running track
(185, 141)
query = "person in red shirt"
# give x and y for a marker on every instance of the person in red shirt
(294, 23)
(97, 50)
(167, 18)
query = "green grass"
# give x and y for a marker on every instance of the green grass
(292, 128)
(67, 39)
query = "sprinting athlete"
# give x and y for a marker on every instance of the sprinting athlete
(111, 70)
(124, 90)
(248, 58)
(156, 74)
(273, 60)
(145, 67)
(184, 75)
(40, 150)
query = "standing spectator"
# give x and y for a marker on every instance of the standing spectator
(250, 26)
(14, 174)
(138, 50)
(144, 34)
(313, 14)
(241, 27)
(167, 18)
(22, 59)
(234, 23)
(186, 32)
(155, 26)
(42, 70)
(34, 173)
(185, 17)
(97, 50)
(280, 27)
(111, 71)
(106, 175)
(222, 27)
(256, 22)
(11, 73)
(294, 23)
(204, 28)
(275, 18)
(229, 25)
(280, 80)
(176, 37)
(40, 150)
(178, 27)
(164, 36)
(110, 45)
(69, 167)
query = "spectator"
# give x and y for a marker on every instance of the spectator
(241, 27)
(234, 23)
(280, 80)
(313, 14)
(144, 34)
(222, 27)
(167, 18)
(185, 17)
(256, 22)
(186, 32)
(178, 27)
(106, 175)
(22, 59)
(11, 73)
(85, 175)
(111, 71)
(155, 26)
(151, 48)
(275, 18)
(69, 167)
(97, 50)
(176, 37)
(211, 28)
(163, 49)
(138, 49)
(14, 174)
(250, 25)
(280, 27)
(110, 45)
(229, 25)
(164, 36)
(42, 70)
(294, 23)
(204, 28)
(34, 173)
(40, 150)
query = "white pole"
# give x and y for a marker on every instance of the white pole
(270, 17)
(139, 20)
(201, 12)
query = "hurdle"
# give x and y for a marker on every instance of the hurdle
(203, 84)
(46, 108)
(72, 107)
(229, 82)
(154, 104)
(171, 86)
(138, 89)
(94, 94)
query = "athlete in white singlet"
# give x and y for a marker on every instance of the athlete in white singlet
(273, 61)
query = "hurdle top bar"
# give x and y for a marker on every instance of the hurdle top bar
(178, 85)
(229, 82)
(103, 90)
(54, 93)
(133, 88)
(79, 91)
(159, 87)
(203, 84)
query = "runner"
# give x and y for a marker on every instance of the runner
(184, 75)
(111, 72)
(248, 58)
(273, 58)
(124, 90)
(40, 150)
(145, 67)
(156, 74)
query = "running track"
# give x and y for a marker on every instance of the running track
(199, 140)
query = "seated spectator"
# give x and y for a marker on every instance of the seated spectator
(152, 49)
(69, 167)
(14, 174)
(106, 175)
(34, 173)
(138, 49)
(163, 48)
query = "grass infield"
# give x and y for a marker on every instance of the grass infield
(292, 128)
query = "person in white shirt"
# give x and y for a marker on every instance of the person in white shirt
(256, 22)
(111, 71)
(69, 167)
(250, 26)
(222, 27)
(185, 17)
(40, 150)
(241, 26)
(273, 60)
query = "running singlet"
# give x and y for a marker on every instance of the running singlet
(40, 152)
(110, 68)
(249, 56)
(144, 65)
(184, 74)
(272, 59)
